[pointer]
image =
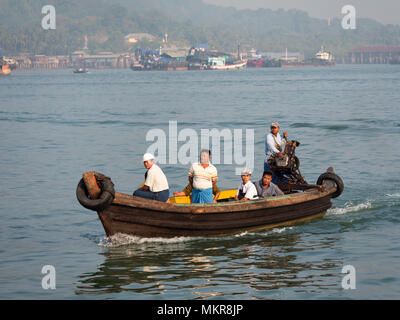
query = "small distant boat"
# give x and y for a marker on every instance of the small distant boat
(81, 70)
(5, 70)
(323, 58)
(137, 67)
(12, 64)
(219, 63)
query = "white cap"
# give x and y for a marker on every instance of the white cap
(148, 156)
(246, 172)
(275, 124)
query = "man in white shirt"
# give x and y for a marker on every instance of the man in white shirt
(247, 190)
(274, 146)
(156, 185)
(202, 176)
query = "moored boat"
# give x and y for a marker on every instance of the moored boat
(137, 67)
(81, 70)
(219, 63)
(321, 59)
(123, 213)
(5, 70)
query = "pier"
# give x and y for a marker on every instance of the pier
(373, 55)
(98, 61)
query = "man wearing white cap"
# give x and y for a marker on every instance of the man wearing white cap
(156, 185)
(247, 190)
(274, 145)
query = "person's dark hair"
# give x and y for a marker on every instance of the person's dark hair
(206, 150)
(267, 172)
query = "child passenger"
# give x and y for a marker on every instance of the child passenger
(247, 190)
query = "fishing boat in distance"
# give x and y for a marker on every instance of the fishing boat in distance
(5, 69)
(128, 214)
(220, 63)
(137, 67)
(324, 58)
(81, 70)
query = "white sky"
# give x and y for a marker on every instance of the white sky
(384, 11)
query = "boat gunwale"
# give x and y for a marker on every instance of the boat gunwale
(127, 200)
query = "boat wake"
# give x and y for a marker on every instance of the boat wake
(393, 195)
(267, 232)
(121, 239)
(350, 207)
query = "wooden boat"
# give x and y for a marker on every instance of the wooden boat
(123, 213)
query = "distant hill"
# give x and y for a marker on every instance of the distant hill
(187, 22)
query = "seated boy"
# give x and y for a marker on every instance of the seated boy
(247, 190)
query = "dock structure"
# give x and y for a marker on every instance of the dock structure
(41, 62)
(99, 61)
(373, 55)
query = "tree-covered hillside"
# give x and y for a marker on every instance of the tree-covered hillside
(187, 22)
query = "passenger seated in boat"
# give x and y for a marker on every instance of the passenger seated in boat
(202, 176)
(247, 190)
(189, 189)
(265, 188)
(156, 185)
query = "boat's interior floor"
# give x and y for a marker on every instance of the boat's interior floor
(225, 196)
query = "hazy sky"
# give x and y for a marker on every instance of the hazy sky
(385, 11)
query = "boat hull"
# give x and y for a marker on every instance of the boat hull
(136, 216)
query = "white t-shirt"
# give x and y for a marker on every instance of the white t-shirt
(249, 189)
(156, 179)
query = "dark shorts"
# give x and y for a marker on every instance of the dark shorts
(159, 196)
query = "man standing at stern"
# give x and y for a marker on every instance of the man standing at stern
(274, 144)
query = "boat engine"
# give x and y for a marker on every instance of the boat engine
(287, 167)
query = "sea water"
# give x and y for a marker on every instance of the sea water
(55, 125)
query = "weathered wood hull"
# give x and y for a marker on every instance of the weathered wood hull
(137, 216)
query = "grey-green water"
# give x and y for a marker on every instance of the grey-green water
(56, 125)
